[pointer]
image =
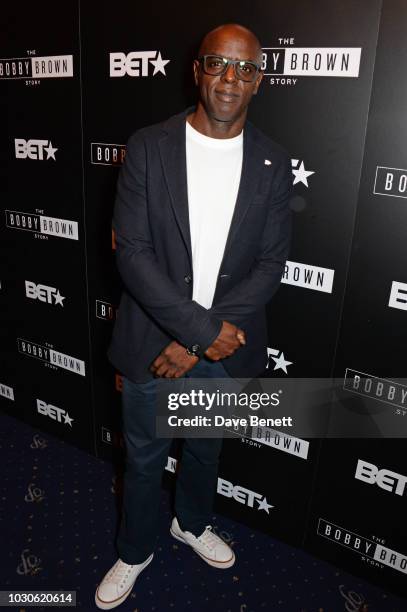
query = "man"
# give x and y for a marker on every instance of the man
(202, 227)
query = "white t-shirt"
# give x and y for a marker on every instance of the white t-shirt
(214, 167)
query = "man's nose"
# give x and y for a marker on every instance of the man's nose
(230, 74)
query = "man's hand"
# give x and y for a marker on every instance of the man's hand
(228, 341)
(173, 361)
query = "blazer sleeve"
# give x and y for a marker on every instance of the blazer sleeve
(263, 280)
(182, 318)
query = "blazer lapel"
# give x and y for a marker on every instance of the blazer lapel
(173, 157)
(252, 169)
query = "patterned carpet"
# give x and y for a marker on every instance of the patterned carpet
(58, 520)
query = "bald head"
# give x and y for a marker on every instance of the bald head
(232, 32)
(225, 93)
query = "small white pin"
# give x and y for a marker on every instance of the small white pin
(267, 162)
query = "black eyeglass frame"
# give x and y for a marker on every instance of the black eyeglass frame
(226, 63)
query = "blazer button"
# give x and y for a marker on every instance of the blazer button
(187, 278)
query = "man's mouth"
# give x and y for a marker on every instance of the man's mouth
(226, 96)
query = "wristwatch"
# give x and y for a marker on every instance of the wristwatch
(195, 350)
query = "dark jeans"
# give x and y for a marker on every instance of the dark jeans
(146, 457)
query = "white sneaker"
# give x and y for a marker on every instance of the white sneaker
(210, 547)
(118, 583)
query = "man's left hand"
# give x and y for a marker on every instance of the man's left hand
(173, 361)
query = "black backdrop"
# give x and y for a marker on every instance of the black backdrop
(342, 305)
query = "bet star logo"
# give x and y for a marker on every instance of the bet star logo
(136, 63)
(44, 293)
(53, 412)
(243, 495)
(34, 149)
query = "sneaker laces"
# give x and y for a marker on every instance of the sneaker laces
(208, 538)
(119, 572)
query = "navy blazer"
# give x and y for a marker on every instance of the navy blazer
(153, 251)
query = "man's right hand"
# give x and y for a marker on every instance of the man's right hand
(228, 341)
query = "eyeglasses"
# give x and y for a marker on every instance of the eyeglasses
(215, 65)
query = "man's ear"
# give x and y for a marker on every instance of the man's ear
(258, 81)
(196, 71)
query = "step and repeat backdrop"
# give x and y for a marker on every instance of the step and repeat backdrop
(334, 94)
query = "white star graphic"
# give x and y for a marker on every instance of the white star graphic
(301, 173)
(68, 419)
(50, 151)
(159, 64)
(58, 298)
(281, 363)
(263, 505)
